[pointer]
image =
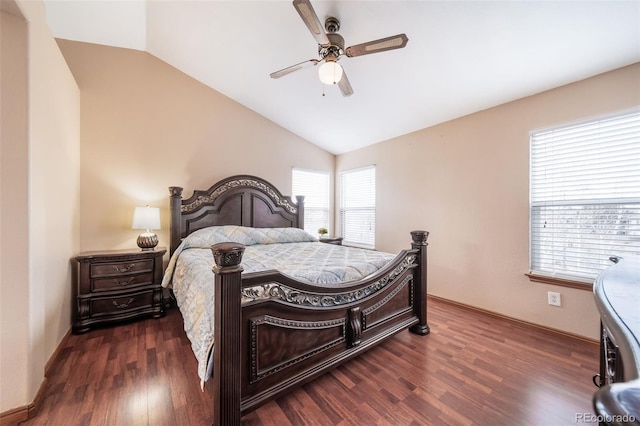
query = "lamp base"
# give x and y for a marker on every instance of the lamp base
(147, 241)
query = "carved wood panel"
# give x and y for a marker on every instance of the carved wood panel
(265, 215)
(398, 301)
(224, 212)
(304, 339)
(240, 200)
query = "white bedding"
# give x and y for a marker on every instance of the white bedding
(291, 251)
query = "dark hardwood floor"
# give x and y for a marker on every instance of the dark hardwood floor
(473, 369)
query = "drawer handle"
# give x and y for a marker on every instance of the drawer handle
(122, 305)
(125, 269)
(596, 380)
(127, 282)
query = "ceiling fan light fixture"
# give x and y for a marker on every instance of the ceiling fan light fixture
(330, 72)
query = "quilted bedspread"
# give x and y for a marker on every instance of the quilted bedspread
(291, 251)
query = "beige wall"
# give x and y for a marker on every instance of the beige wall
(40, 199)
(147, 126)
(14, 229)
(466, 181)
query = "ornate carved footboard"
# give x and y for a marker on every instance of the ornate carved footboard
(272, 332)
(288, 332)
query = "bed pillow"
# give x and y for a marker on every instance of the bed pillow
(206, 237)
(280, 235)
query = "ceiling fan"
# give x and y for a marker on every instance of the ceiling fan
(331, 48)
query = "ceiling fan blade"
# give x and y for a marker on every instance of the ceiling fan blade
(293, 68)
(308, 15)
(388, 43)
(345, 86)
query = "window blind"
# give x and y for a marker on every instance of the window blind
(358, 206)
(585, 196)
(314, 186)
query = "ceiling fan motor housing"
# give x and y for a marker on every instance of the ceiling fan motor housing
(332, 25)
(334, 50)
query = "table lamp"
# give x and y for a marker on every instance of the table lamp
(146, 218)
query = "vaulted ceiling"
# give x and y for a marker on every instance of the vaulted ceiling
(462, 56)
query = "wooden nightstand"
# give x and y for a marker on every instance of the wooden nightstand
(117, 285)
(331, 240)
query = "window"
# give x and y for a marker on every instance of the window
(315, 188)
(585, 196)
(358, 206)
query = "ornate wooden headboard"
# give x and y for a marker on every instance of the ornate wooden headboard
(237, 200)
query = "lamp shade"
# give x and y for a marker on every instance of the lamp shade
(330, 72)
(146, 218)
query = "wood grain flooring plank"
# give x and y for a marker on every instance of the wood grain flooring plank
(268, 414)
(323, 400)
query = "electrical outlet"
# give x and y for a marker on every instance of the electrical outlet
(554, 298)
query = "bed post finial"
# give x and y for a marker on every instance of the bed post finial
(419, 242)
(420, 237)
(227, 256)
(175, 191)
(227, 327)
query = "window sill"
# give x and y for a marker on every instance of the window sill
(562, 282)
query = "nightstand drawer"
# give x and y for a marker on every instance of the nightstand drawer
(121, 282)
(120, 268)
(121, 303)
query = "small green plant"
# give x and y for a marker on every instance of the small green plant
(323, 231)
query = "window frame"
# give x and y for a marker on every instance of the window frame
(589, 201)
(369, 240)
(312, 226)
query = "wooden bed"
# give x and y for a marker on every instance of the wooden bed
(289, 332)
